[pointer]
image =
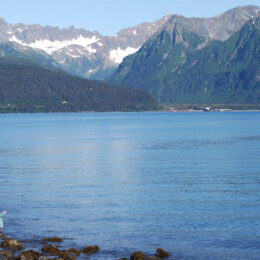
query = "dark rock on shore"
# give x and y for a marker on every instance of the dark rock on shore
(29, 255)
(14, 244)
(9, 248)
(67, 255)
(90, 249)
(50, 249)
(137, 256)
(141, 256)
(161, 253)
(2, 257)
(6, 254)
(75, 251)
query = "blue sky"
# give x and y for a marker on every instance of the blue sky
(109, 16)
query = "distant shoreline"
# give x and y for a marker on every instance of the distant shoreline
(14, 109)
(116, 112)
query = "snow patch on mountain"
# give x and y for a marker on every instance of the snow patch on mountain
(52, 46)
(117, 55)
(21, 29)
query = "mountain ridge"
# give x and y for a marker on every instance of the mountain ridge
(78, 50)
(180, 72)
(92, 55)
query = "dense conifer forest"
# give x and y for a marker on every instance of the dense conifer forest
(26, 87)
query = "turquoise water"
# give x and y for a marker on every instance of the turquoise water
(187, 182)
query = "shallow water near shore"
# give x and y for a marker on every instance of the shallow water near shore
(186, 182)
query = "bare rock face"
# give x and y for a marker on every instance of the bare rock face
(162, 253)
(12, 243)
(90, 249)
(220, 27)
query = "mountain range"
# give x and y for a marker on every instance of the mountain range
(79, 51)
(199, 61)
(176, 59)
(91, 55)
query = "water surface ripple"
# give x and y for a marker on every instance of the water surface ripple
(187, 182)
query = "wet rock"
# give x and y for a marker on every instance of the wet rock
(68, 255)
(90, 249)
(2, 257)
(53, 239)
(161, 253)
(75, 251)
(137, 256)
(43, 258)
(12, 243)
(152, 258)
(29, 255)
(50, 249)
(123, 259)
(7, 255)
(3, 236)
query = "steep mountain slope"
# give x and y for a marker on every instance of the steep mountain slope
(15, 50)
(177, 67)
(92, 55)
(25, 87)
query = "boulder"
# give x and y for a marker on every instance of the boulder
(161, 253)
(68, 255)
(2, 257)
(137, 256)
(12, 243)
(52, 239)
(90, 249)
(7, 255)
(50, 249)
(43, 258)
(29, 255)
(75, 251)
(152, 258)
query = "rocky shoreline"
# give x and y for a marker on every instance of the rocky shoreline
(12, 249)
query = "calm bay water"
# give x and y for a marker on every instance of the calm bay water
(187, 182)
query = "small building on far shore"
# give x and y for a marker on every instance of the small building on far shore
(207, 109)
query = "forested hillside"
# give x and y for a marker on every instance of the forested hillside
(26, 87)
